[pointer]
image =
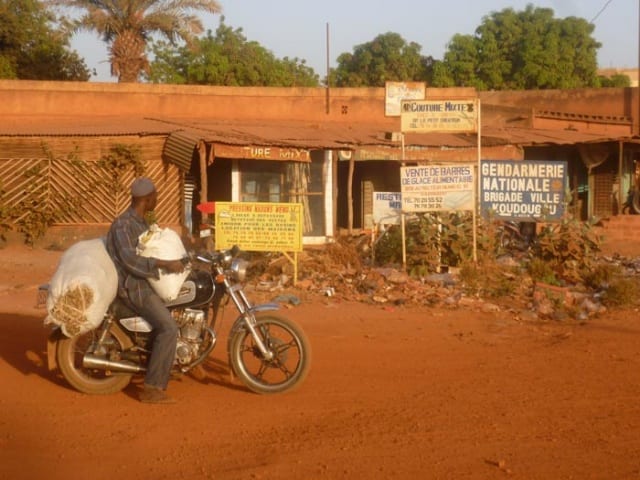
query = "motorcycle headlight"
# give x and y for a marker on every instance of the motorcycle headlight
(239, 269)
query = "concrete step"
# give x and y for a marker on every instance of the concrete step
(621, 227)
(629, 220)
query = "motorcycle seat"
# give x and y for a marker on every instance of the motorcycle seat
(121, 309)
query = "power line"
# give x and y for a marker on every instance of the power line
(601, 10)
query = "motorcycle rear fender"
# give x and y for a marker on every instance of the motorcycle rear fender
(56, 335)
(52, 341)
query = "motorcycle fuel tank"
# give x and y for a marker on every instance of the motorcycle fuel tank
(196, 290)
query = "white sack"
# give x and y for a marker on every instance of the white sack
(82, 288)
(165, 244)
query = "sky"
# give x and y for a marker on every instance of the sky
(298, 28)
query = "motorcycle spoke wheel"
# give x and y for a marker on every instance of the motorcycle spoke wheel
(291, 355)
(70, 353)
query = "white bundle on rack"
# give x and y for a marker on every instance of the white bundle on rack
(82, 288)
(164, 244)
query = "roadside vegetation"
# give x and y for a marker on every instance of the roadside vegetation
(565, 254)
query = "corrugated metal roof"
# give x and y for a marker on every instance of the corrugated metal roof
(536, 136)
(179, 148)
(60, 126)
(308, 135)
(326, 135)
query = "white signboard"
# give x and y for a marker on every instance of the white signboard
(523, 190)
(387, 207)
(396, 92)
(424, 116)
(437, 188)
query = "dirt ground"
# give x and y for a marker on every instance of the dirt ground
(394, 393)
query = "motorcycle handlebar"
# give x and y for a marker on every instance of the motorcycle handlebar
(217, 257)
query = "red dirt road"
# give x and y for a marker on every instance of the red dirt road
(393, 393)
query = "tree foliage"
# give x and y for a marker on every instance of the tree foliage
(522, 50)
(127, 26)
(31, 48)
(615, 80)
(388, 57)
(227, 58)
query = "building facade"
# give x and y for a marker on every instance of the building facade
(327, 149)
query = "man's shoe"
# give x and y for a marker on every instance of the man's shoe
(155, 395)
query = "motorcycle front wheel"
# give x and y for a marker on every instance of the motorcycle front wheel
(70, 352)
(291, 355)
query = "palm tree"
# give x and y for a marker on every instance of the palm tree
(127, 26)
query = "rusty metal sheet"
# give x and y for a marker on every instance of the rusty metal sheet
(323, 135)
(179, 149)
(373, 153)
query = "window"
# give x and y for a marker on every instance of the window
(287, 182)
(261, 181)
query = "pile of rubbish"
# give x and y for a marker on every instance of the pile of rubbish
(337, 270)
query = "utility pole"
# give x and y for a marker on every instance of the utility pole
(328, 99)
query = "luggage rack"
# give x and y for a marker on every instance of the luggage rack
(43, 292)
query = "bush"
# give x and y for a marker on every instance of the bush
(488, 279)
(621, 292)
(569, 247)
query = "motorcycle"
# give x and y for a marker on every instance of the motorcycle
(269, 353)
(516, 236)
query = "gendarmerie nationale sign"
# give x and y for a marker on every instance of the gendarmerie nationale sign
(523, 190)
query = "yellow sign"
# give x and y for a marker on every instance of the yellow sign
(259, 227)
(423, 116)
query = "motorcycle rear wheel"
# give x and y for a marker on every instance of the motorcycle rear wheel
(70, 352)
(291, 361)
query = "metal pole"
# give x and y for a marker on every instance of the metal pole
(328, 73)
(402, 220)
(476, 200)
(637, 120)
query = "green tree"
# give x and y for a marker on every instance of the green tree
(31, 48)
(529, 49)
(615, 80)
(227, 58)
(388, 57)
(127, 26)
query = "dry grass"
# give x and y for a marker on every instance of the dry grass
(70, 308)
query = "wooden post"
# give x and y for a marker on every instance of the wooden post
(350, 192)
(204, 189)
(204, 186)
(621, 194)
(334, 187)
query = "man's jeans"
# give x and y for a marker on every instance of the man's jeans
(165, 336)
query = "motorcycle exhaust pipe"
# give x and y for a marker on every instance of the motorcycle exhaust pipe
(93, 361)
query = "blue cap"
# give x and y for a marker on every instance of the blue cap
(142, 186)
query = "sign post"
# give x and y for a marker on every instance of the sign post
(440, 187)
(261, 227)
